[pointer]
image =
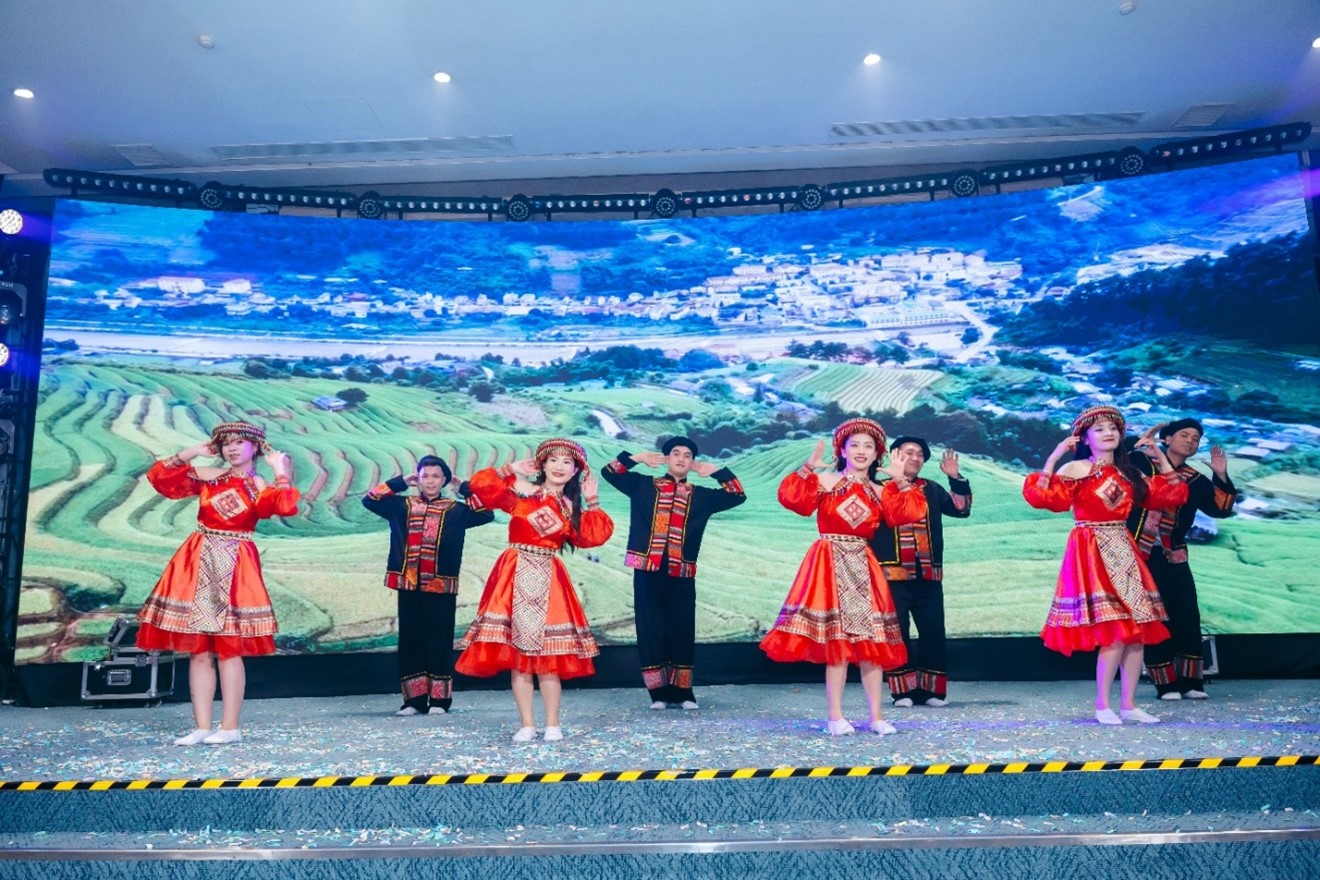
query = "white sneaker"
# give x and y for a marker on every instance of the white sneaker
(689, 705)
(882, 727)
(659, 705)
(525, 734)
(903, 703)
(1138, 715)
(197, 737)
(840, 727)
(937, 702)
(1196, 695)
(407, 711)
(1107, 716)
(1171, 695)
(438, 710)
(553, 734)
(224, 737)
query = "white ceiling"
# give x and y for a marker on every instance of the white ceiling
(339, 93)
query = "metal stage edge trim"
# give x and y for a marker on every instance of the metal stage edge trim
(666, 847)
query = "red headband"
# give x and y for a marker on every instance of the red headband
(859, 426)
(1091, 415)
(548, 447)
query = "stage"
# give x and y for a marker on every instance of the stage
(1006, 769)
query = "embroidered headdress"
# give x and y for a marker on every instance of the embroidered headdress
(859, 426)
(561, 444)
(1091, 415)
(243, 431)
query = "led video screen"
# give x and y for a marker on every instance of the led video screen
(981, 324)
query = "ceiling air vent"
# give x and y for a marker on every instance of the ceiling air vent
(141, 155)
(1056, 122)
(403, 147)
(1201, 115)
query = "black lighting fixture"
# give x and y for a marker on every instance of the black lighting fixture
(518, 209)
(119, 184)
(1273, 137)
(611, 203)
(12, 297)
(807, 197)
(373, 205)
(216, 196)
(960, 183)
(1126, 163)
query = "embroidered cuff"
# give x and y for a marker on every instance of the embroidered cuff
(174, 462)
(591, 502)
(282, 482)
(504, 471)
(805, 471)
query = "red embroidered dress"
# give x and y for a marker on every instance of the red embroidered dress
(529, 617)
(1105, 593)
(211, 596)
(839, 609)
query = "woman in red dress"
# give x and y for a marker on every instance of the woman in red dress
(211, 600)
(529, 620)
(839, 609)
(1105, 598)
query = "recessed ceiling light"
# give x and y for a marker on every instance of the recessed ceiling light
(1315, 44)
(871, 59)
(206, 41)
(24, 93)
(441, 77)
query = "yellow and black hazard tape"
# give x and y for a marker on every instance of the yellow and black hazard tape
(895, 770)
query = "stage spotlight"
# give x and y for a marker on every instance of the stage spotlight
(369, 206)
(518, 209)
(810, 197)
(11, 222)
(964, 184)
(664, 204)
(211, 196)
(1131, 162)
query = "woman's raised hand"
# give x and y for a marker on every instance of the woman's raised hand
(817, 460)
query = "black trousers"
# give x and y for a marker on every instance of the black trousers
(1176, 664)
(426, 648)
(666, 613)
(926, 673)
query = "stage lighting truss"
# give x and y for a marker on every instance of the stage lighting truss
(214, 196)
(400, 205)
(1127, 163)
(119, 184)
(666, 203)
(960, 183)
(807, 198)
(1274, 137)
(611, 203)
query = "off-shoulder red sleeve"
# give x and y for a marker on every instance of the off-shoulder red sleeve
(596, 529)
(902, 506)
(1056, 495)
(277, 500)
(173, 478)
(495, 492)
(800, 492)
(1166, 490)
